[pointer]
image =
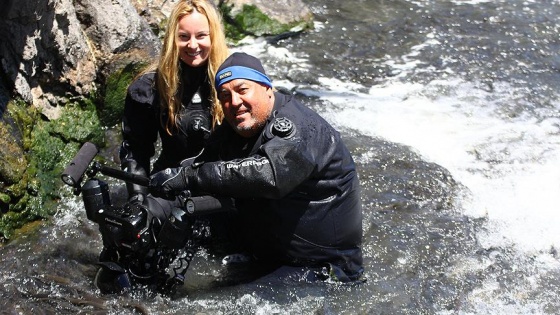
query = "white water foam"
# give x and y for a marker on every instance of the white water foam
(509, 165)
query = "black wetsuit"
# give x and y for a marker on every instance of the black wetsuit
(295, 188)
(144, 119)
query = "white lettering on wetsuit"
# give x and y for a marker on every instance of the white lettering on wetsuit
(246, 163)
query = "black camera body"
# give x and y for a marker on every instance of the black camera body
(138, 249)
(125, 228)
(137, 245)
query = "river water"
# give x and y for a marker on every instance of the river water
(451, 111)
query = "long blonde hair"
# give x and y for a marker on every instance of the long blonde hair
(168, 68)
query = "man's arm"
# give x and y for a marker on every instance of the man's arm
(279, 167)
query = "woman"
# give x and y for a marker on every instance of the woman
(175, 97)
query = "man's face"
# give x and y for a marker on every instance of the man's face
(246, 105)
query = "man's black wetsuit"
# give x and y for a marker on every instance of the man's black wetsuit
(295, 188)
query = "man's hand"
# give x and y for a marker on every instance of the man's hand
(168, 183)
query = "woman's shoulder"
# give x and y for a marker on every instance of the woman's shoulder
(143, 88)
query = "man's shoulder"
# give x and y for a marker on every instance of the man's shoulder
(298, 112)
(291, 106)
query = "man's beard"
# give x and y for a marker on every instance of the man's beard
(250, 129)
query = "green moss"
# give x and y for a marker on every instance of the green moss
(252, 21)
(49, 147)
(78, 123)
(54, 144)
(5, 198)
(24, 116)
(12, 159)
(11, 221)
(113, 103)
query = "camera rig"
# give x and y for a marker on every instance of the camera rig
(138, 248)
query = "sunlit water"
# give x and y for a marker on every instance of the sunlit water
(451, 111)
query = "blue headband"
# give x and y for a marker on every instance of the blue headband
(240, 72)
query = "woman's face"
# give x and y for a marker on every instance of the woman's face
(193, 39)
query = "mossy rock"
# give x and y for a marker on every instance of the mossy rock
(14, 127)
(49, 147)
(79, 122)
(12, 159)
(252, 21)
(54, 144)
(111, 111)
(10, 221)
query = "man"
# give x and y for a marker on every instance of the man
(293, 180)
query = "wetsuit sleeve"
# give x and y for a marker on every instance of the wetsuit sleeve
(278, 167)
(139, 130)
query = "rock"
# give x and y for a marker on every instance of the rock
(57, 48)
(284, 11)
(114, 27)
(47, 56)
(120, 36)
(260, 18)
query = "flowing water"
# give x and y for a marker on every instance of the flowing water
(451, 111)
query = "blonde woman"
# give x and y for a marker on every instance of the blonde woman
(175, 97)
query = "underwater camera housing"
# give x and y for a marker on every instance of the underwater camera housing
(138, 249)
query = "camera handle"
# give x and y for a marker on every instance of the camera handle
(194, 205)
(80, 165)
(118, 174)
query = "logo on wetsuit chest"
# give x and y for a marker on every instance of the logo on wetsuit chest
(196, 99)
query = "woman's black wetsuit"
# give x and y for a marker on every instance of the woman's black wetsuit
(144, 119)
